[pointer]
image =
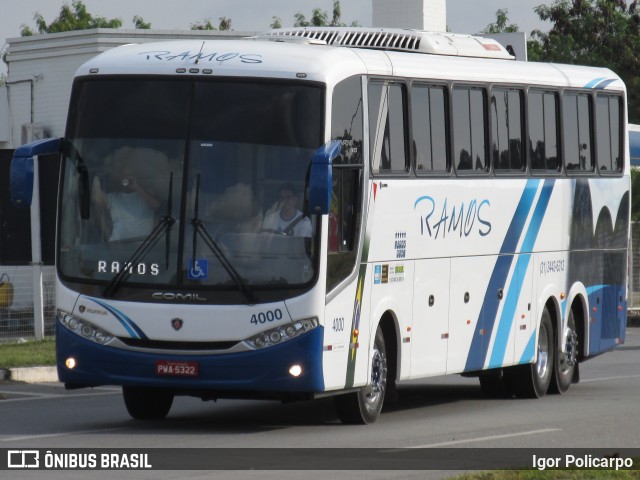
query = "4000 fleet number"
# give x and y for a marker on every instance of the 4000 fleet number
(266, 317)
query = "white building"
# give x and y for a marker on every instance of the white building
(430, 15)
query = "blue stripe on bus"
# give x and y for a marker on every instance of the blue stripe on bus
(131, 328)
(529, 351)
(604, 83)
(594, 82)
(515, 288)
(476, 357)
(600, 83)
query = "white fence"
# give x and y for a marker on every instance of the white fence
(17, 320)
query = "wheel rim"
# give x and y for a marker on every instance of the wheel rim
(571, 351)
(375, 393)
(542, 365)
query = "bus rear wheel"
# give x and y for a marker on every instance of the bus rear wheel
(147, 403)
(364, 406)
(567, 361)
(533, 380)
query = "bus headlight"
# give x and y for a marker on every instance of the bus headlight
(281, 334)
(85, 329)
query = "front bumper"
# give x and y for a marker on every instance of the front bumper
(260, 371)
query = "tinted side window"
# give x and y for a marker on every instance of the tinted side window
(506, 125)
(469, 129)
(430, 132)
(387, 128)
(609, 133)
(347, 120)
(576, 109)
(543, 131)
(344, 217)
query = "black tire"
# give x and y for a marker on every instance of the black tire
(147, 403)
(533, 380)
(364, 406)
(566, 362)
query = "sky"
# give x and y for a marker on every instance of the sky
(463, 16)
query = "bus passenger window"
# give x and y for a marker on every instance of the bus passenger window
(576, 110)
(387, 127)
(609, 133)
(506, 122)
(469, 129)
(543, 131)
(429, 128)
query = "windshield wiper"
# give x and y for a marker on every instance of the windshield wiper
(199, 228)
(164, 225)
(84, 194)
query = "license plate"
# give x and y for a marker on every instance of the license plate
(177, 369)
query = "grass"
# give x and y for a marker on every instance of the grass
(28, 354)
(553, 475)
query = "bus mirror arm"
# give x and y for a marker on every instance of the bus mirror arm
(320, 177)
(21, 176)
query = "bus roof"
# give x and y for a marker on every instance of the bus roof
(304, 58)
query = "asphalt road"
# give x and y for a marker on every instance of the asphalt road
(602, 411)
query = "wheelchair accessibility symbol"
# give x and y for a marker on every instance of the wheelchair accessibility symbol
(198, 269)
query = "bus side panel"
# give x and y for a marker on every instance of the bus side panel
(392, 291)
(472, 300)
(430, 327)
(599, 231)
(339, 318)
(512, 328)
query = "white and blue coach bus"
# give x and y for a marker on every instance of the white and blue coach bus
(458, 212)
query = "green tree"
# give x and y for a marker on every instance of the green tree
(603, 33)
(276, 22)
(74, 17)
(140, 24)
(502, 24)
(224, 24)
(320, 18)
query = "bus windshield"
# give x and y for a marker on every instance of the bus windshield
(189, 184)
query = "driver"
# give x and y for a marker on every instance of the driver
(287, 219)
(130, 205)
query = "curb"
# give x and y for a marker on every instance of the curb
(30, 374)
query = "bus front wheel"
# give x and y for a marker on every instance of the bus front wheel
(364, 406)
(147, 403)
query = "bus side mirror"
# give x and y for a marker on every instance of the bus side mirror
(320, 177)
(22, 169)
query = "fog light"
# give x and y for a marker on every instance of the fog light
(275, 336)
(295, 370)
(70, 363)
